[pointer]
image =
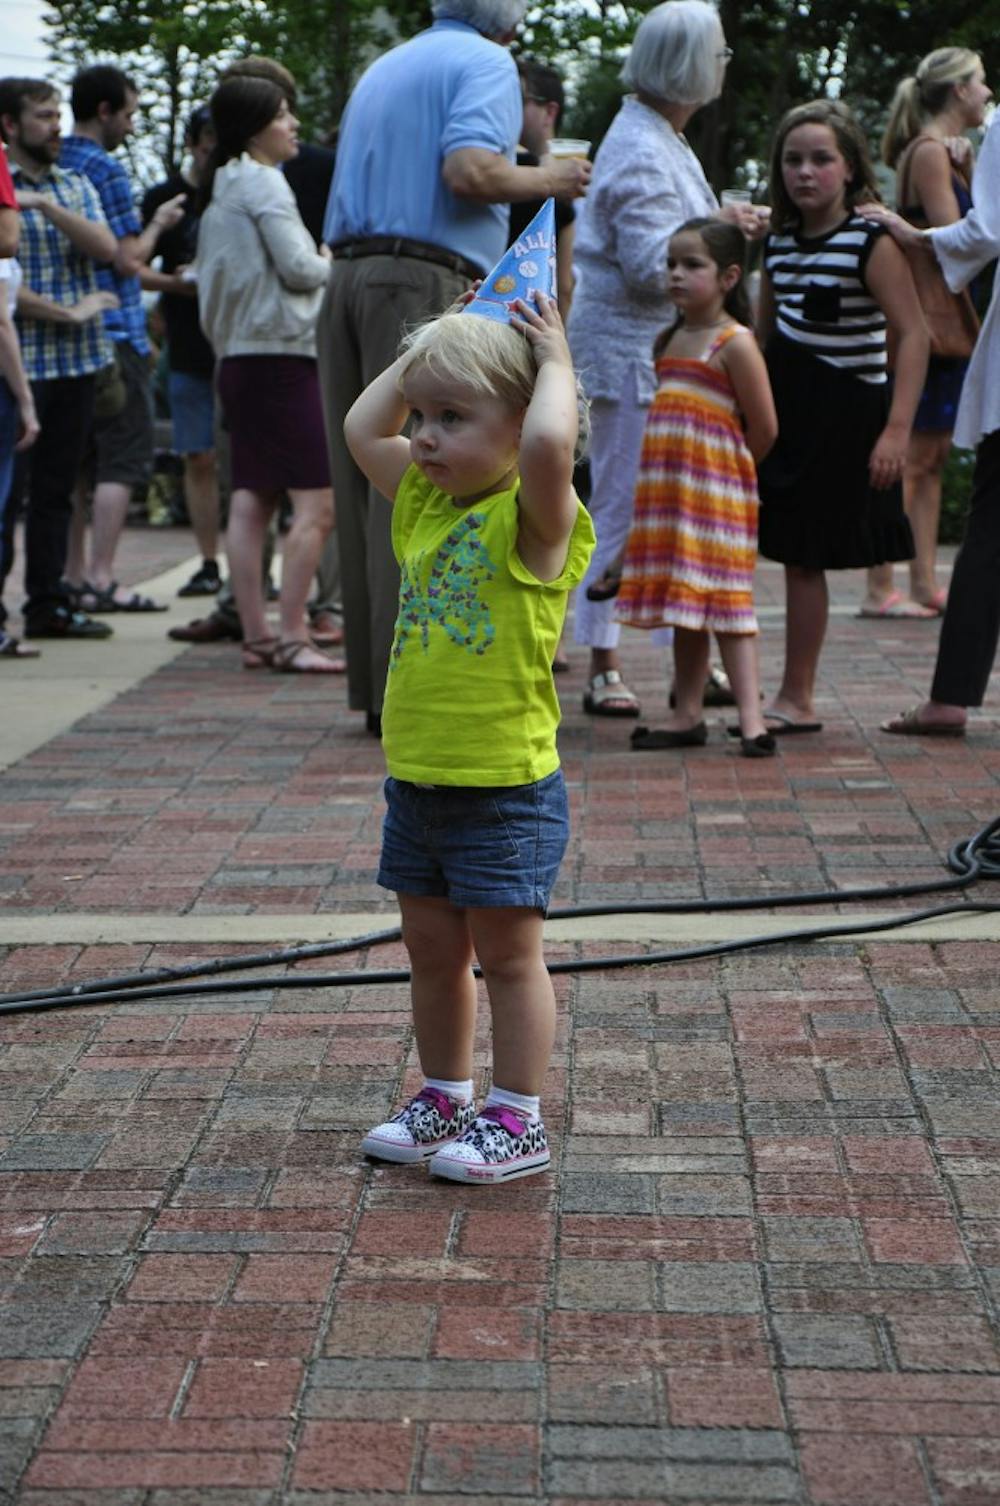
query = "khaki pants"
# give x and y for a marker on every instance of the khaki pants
(366, 308)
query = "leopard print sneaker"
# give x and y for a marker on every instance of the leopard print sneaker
(424, 1125)
(497, 1147)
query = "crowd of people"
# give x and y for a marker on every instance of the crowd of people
(809, 427)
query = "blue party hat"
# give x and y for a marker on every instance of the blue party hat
(529, 264)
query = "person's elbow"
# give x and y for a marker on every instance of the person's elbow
(105, 249)
(10, 227)
(645, 276)
(762, 440)
(470, 173)
(914, 341)
(305, 277)
(356, 433)
(125, 261)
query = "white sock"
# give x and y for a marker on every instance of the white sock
(458, 1092)
(524, 1106)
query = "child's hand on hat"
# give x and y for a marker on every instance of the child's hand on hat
(464, 298)
(543, 327)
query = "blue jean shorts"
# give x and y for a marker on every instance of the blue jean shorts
(489, 847)
(192, 410)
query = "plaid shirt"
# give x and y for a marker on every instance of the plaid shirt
(81, 155)
(56, 270)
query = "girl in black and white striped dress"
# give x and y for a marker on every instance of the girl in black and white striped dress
(830, 490)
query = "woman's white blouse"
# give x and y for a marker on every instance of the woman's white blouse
(647, 181)
(963, 249)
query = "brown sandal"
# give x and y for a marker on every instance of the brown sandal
(262, 652)
(284, 657)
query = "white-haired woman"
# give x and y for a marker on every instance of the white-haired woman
(646, 182)
(944, 98)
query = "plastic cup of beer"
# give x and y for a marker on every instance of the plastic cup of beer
(567, 146)
(735, 196)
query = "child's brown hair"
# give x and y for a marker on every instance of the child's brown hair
(862, 187)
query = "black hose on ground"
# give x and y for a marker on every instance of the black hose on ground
(970, 860)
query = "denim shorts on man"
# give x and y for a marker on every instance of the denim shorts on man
(476, 847)
(192, 412)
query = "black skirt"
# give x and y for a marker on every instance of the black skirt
(819, 509)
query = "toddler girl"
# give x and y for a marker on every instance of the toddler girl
(690, 555)
(490, 537)
(830, 489)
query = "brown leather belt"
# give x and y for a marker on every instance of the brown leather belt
(401, 245)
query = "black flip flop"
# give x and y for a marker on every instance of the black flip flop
(786, 726)
(654, 739)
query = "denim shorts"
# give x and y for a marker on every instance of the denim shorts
(192, 410)
(489, 847)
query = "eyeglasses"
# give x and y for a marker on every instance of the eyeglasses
(725, 54)
(535, 99)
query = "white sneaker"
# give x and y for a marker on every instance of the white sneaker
(423, 1126)
(496, 1147)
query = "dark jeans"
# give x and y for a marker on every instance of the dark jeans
(971, 626)
(44, 477)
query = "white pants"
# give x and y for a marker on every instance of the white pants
(616, 430)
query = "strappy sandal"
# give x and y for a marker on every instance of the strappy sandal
(260, 653)
(284, 659)
(101, 602)
(608, 695)
(13, 648)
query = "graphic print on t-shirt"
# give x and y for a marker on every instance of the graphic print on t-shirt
(451, 599)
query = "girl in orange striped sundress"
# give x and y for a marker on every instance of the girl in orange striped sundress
(691, 551)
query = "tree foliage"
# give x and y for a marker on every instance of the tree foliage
(785, 51)
(175, 50)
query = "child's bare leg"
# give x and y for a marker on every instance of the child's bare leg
(508, 943)
(691, 656)
(879, 587)
(442, 987)
(807, 606)
(739, 656)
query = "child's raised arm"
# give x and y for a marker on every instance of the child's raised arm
(372, 431)
(548, 437)
(891, 285)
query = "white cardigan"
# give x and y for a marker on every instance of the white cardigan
(260, 277)
(963, 249)
(647, 181)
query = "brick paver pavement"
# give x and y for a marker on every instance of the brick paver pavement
(765, 1267)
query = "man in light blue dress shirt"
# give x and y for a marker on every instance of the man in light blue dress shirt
(417, 210)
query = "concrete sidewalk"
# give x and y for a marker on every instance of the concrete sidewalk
(765, 1267)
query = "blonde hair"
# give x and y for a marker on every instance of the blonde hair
(489, 358)
(922, 96)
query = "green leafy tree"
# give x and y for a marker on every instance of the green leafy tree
(171, 48)
(785, 51)
(176, 49)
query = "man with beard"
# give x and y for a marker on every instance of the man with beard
(59, 311)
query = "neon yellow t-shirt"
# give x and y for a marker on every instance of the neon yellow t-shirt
(469, 695)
